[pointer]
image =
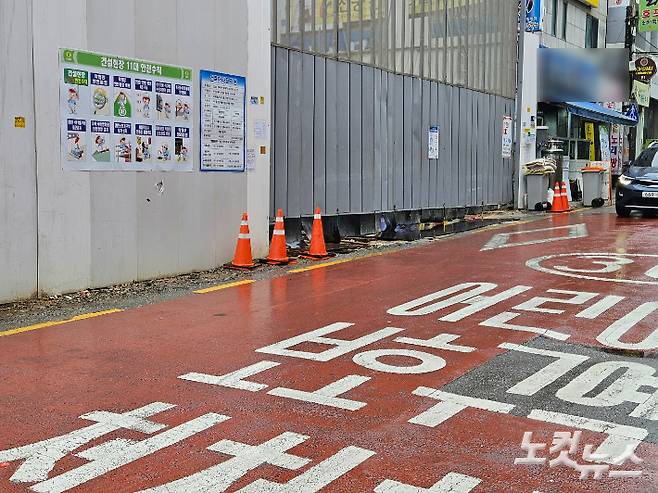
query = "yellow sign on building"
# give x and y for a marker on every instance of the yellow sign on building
(589, 135)
(591, 3)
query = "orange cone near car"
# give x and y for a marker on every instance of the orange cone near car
(242, 258)
(278, 250)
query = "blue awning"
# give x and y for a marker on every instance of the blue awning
(596, 112)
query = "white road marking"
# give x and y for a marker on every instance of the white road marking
(450, 483)
(619, 436)
(327, 395)
(245, 458)
(601, 306)
(441, 341)
(625, 388)
(234, 379)
(340, 348)
(420, 306)
(534, 383)
(500, 322)
(428, 362)
(618, 329)
(451, 404)
(40, 457)
(318, 476)
(501, 240)
(535, 264)
(106, 463)
(534, 304)
(479, 303)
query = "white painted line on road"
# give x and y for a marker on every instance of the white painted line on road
(234, 379)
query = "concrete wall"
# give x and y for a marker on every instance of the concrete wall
(101, 228)
(18, 203)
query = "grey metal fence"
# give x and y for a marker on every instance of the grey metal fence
(352, 138)
(471, 43)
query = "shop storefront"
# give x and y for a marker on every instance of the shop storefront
(590, 132)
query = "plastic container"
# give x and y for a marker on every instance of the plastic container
(536, 186)
(592, 185)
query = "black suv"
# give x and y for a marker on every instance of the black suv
(637, 188)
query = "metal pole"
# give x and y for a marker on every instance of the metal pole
(519, 102)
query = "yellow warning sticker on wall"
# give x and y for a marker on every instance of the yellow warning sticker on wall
(19, 121)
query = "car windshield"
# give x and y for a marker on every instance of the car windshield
(648, 158)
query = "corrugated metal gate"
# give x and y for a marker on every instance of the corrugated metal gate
(353, 139)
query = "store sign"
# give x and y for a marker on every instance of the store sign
(618, 3)
(591, 3)
(533, 16)
(589, 135)
(648, 16)
(645, 68)
(642, 93)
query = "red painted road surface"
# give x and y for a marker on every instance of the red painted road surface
(371, 430)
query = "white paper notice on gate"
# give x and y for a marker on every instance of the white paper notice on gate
(507, 137)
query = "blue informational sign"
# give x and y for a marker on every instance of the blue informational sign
(533, 16)
(631, 112)
(223, 121)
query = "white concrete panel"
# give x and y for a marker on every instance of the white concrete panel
(18, 215)
(64, 197)
(113, 223)
(102, 228)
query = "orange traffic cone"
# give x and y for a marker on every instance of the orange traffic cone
(317, 249)
(565, 198)
(278, 254)
(558, 203)
(242, 258)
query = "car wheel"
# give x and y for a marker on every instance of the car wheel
(622, 211)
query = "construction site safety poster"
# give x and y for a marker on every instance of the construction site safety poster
(122, 114)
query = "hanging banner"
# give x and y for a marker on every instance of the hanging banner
(433, 142)
(648, 16)
(122, 114)
(589, 135)
(604, 141)
(223, 121)
(615, 148)
(533, 16)
(507, 137)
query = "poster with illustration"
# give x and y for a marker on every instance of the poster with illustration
(183, 104)
(122, 96)
(123, 149)
(144, 99)
(99, 85)
(163, 143)
(108, 109)
(182, 144)
(100, 141)
(76, 137)
(163, 101)
(74, 93)
(143, 142)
